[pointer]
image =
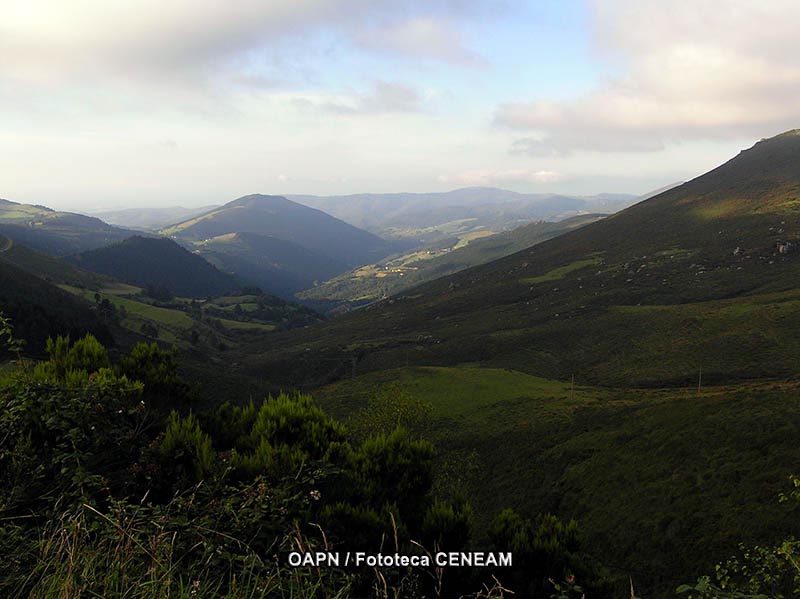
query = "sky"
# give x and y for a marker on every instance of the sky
(110, 104)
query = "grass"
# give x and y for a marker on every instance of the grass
(118, 288)
(165, 316)
(470, 237)
(143, 561)
(562, 271)
(642, 470)
(250, 326)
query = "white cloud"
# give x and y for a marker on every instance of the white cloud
(692, 70)
(51, 41)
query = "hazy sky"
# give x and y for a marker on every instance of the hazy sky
(151, 102)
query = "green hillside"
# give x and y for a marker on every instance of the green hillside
(699, 277)
(393, 275)
(53, 232)
(158, 262)
(663, 482)
(677, 320)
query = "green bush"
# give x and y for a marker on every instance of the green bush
(187, 456)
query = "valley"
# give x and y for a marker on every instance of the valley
(644, 358)
(400, 300)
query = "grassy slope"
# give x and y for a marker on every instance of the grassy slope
(663, 481)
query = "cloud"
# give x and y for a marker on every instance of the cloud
(50, 41)
(489, 177)
(382, 99)
(695, 70)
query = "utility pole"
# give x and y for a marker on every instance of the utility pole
(572, 388)
(699, 379)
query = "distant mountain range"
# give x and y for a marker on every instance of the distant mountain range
(150, 219)
(427, 217)
(284, 246)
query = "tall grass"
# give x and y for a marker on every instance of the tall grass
(89, 554)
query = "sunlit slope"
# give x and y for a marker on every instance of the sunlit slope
(717, 259)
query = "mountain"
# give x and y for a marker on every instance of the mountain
(427, 217)
(647, 360)
(159, 262)
(53, 232)
(276, 216)
(614, 301)
(395, 274)
(150, 219)
(281, 266)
